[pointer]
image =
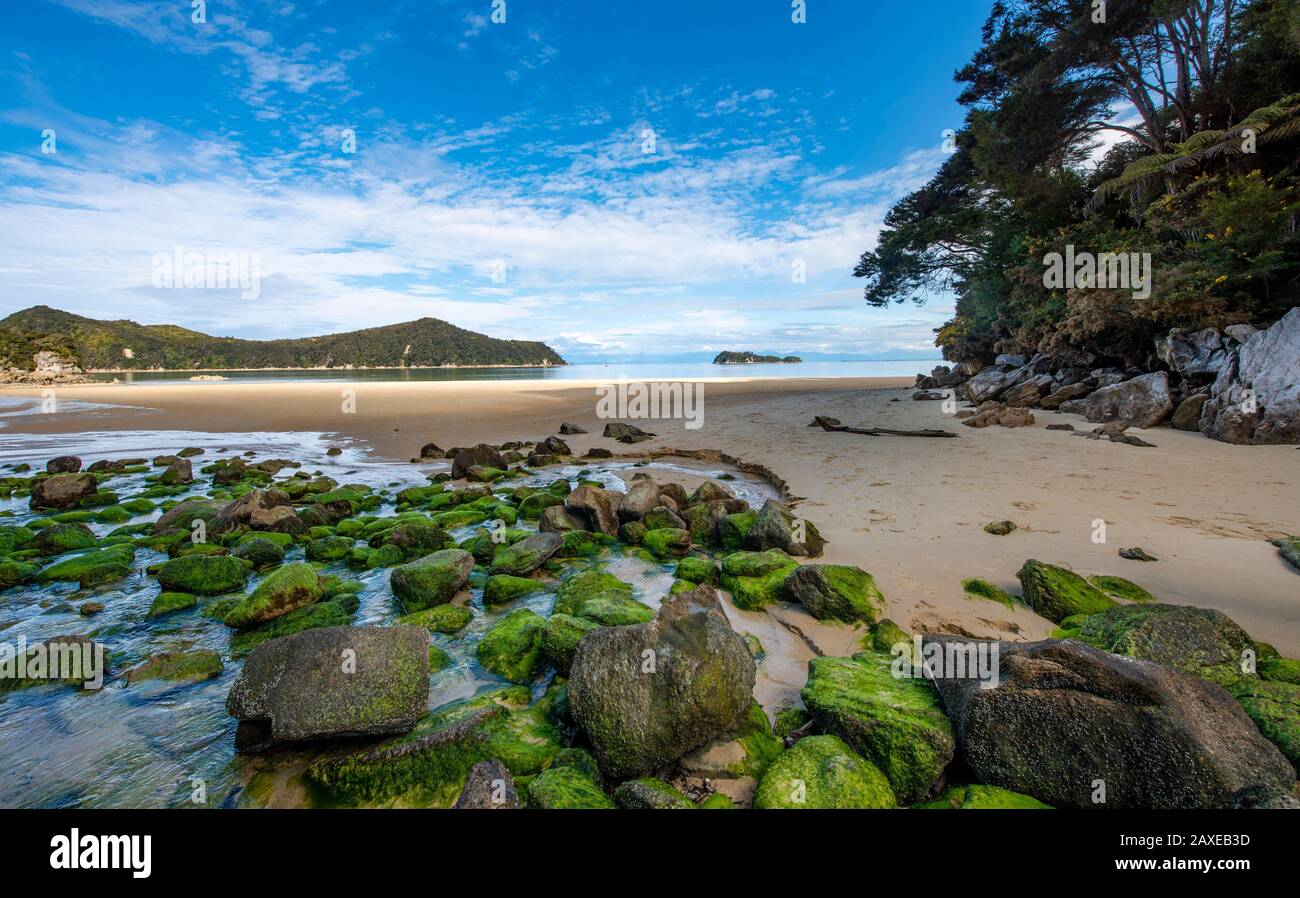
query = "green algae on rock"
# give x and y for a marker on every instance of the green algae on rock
(200, 664)
(976, 797)
(560, 637)
(896, 723)
(502, 588)
(822, 772)
(92, 568)
(205, 575)
(439, 619)
(284, 590)
(648, 794)
(1057, 593)
(566, 788)
(432, 580)
(513, 647)
(756, 579)
(980, 588)
(1199, 641)
(167, 602)
(1275, 708)
(835, 592)
(312, 617)
(1119, 588)
(697, 570)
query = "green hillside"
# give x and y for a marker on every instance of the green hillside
(126, 345)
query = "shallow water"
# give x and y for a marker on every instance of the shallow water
(153, 743)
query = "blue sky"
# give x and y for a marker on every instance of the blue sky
(615, 178)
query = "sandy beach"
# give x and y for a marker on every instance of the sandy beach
(908, 510)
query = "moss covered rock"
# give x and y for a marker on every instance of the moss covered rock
(284, 590)
(329, 548)
(502, 588)
(432, 580)
(93, 568)
(167, 602)
(200, 664)
(1199, 641)
(756, 579)
(527, 555)
(1057, 593)
(1119, 588)
(322, 614)
(823, 772)
(439, 619)
(983, 798)
(697, 570)
(979, 588)
(1275, 708)
(560, 637)
(513, 647)
(650, 794)
(746, 752)
(835, 592)
(259, 552)
(60, 538)
(205, 575)
(566, 788)
(733, 530)
(666, 542)
(12, 573)
(897, 723)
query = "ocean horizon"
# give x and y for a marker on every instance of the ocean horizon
(613, 371)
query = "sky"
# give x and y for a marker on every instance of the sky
(620, 179)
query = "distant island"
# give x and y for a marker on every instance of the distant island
(128, 346)
(749, 358)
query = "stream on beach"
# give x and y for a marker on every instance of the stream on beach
(152, 743)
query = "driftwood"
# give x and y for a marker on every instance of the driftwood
(832, 424)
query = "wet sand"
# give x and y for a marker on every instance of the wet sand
(908, 510)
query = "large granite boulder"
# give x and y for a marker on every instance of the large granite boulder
(1197, 357)
(331, 683)
(647, 694)
(641, 496)
(1143, 402)
(1065, 721)
(1256, 396)
(60, 491)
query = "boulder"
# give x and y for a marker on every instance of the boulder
(59, 538)
(285, 589)
(821, 772)
(599, 506)
(560, 637)
(63, 490)
(1142, 402)
(512, 648)
(1256, 397)
(896, 723)
(331, 683)
(1199, 641)
(552, 446)
(626, 433)
(490, 787)
(650, 794)
(1057, 593)
(559, 519)
(178, 472)
(1188, 414)
(193, 666)
(701, 686)
(204, 575)
(835, 592)
(432, 580)
(641, 496)
(527, 555)
(756, 579)
(1064, 716)
(990, 414)
(1197, 357)
(482, 454)
(602, 598)
(1052, 401)
(776, 528)
(63, 464)
(568, 429)
(240, 513)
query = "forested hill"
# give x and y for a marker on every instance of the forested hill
(1203, 98)
(126, 345)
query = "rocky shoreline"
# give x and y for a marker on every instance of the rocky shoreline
(606, 700)
(1237, 385)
